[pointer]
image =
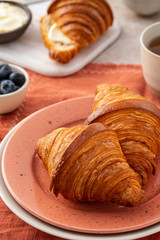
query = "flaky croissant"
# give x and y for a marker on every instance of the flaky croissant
(136, 121)
(71, 25)
(86, 164)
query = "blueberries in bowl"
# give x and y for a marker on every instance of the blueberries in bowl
(7, 86)
(5, 71)
(17, 78)
(10, 81)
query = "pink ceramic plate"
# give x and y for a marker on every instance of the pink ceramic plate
(28, 181)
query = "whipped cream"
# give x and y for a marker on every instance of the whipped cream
(56, 35)
(11, 17)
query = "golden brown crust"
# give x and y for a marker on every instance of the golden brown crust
(140, 104)
(56, 142)
(86, 163)
(78, 141)
(98, 11)
(63, 55)
(108, 93)
(82, 21)
(136, 121)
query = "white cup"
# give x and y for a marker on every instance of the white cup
(143, 7)
(151, 61)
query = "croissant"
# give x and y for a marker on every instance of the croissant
(136, 121)
(70, 25)
(86, 164)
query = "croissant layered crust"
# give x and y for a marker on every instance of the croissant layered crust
(86, 164)
(77, 19)
(136, 121)
(81, 21)
(108, 93)
(58, 50)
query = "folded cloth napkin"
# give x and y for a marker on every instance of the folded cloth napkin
(44, 91)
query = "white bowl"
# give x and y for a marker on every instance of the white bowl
(11, 101)
(143, 7)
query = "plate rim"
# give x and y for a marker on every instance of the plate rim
(40, 210)
(59, 231)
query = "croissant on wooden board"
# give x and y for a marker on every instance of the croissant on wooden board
(86, 164)
(71, 25)
(136, 121)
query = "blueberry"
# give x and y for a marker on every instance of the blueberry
(7, 86)
(5, 71)
(17, 78)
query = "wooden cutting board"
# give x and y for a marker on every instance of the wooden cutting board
(29, 51)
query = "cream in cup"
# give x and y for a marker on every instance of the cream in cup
(150, 57)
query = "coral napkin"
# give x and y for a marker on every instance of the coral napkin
(44, 91)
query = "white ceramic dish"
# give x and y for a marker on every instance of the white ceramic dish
(10, 101)
(43, 226)
(36, 54)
